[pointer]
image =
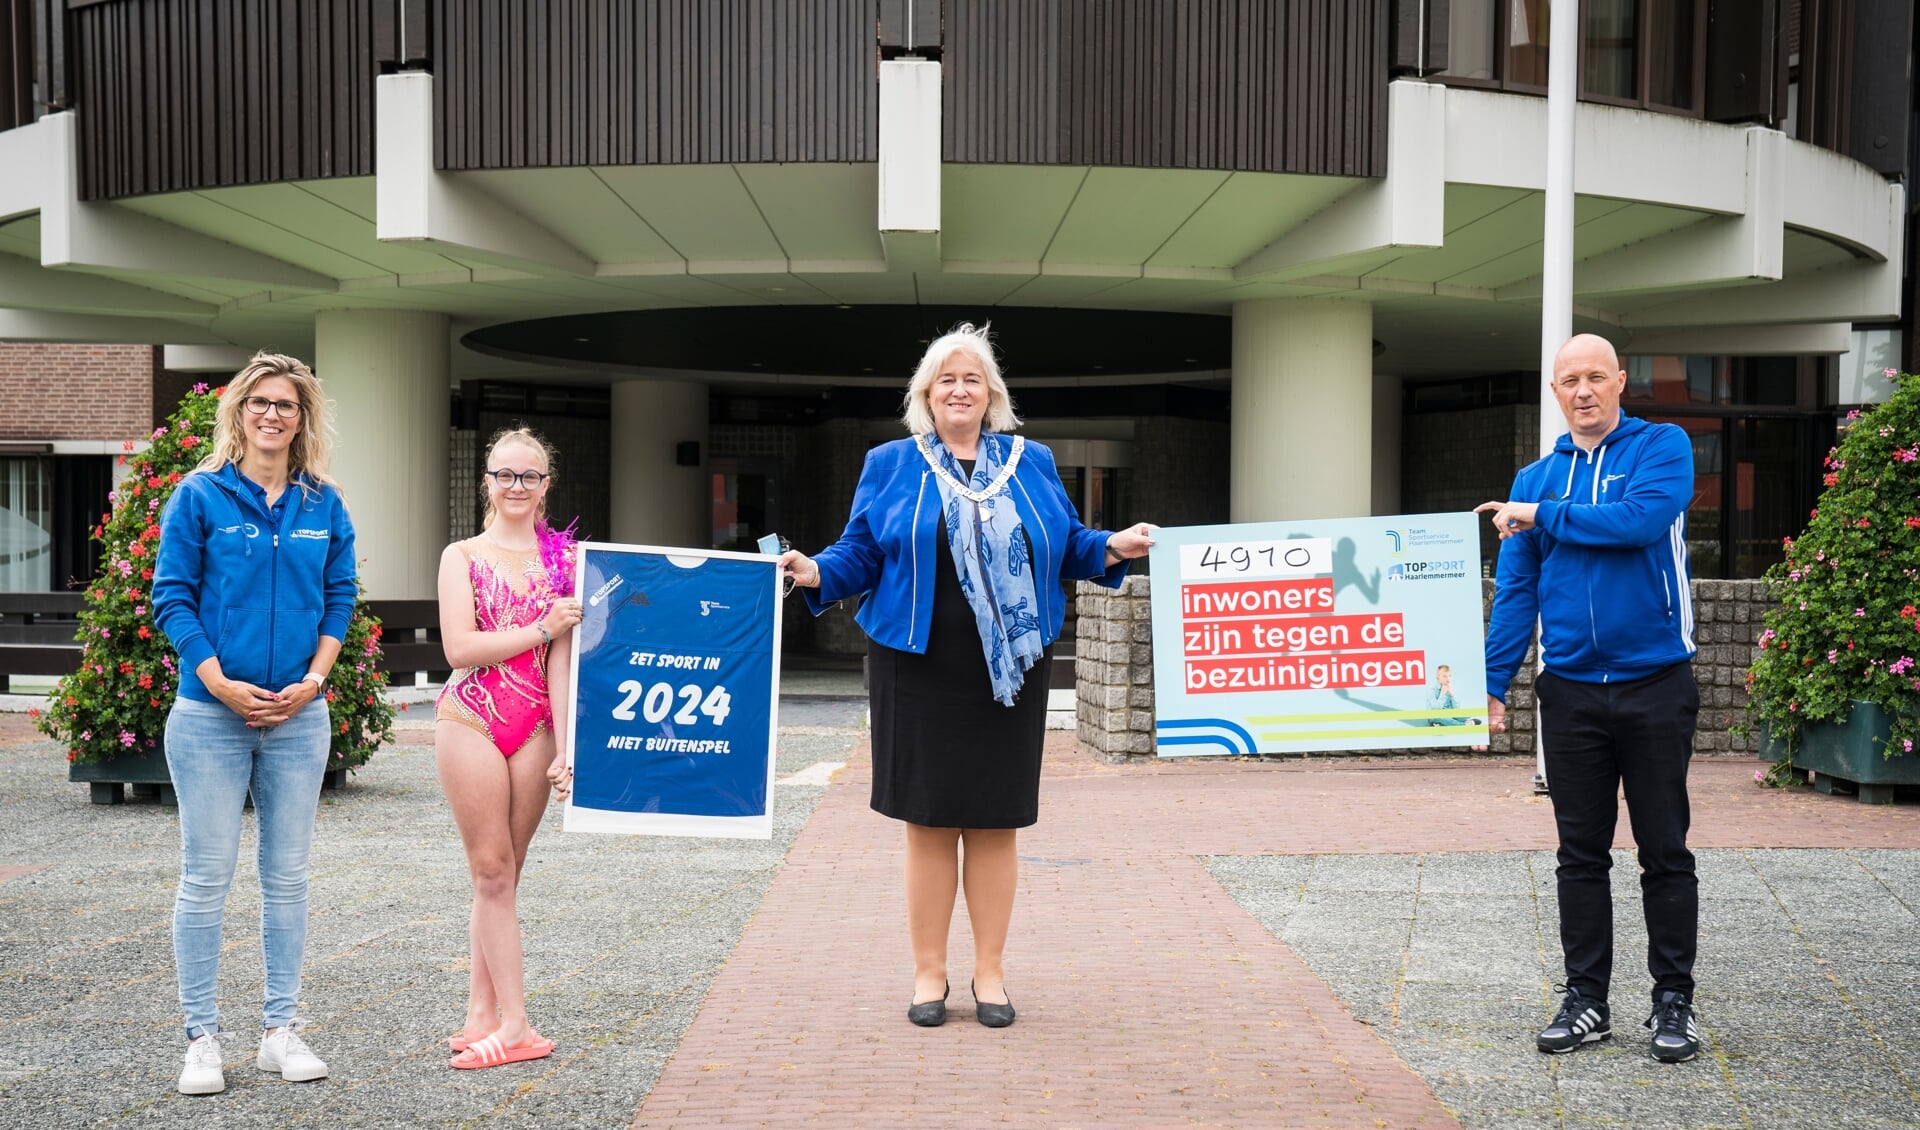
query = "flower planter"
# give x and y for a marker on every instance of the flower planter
(1851, 756)
(147, 774)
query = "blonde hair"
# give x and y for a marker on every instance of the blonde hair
(310, 453)
(521, 434)
(915, 413)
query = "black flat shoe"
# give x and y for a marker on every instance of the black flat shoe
(992, 1015)
(930, 1014)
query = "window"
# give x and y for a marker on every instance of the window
(1758, 426)
(1645, 53)
(26, 525)
(1498, 43)
(1527, 44)
(1610, 37)
(1470, 38)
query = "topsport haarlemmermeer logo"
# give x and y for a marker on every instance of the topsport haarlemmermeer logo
(1427, 570)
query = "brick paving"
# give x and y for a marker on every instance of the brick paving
(1147, 996)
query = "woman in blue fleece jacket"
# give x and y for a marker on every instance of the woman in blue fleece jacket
(958, 544)
(254, 585)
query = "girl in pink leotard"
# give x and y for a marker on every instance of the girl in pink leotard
(506, 621)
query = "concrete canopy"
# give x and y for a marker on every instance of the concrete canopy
(1681, 225)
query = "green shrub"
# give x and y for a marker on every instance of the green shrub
(118, 700)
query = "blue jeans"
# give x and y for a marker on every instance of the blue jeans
(215, 761)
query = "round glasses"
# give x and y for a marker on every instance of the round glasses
(528, 480)
(285, 409)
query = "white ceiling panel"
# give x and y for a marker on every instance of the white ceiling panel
(1003, 213)
(819, 211)
(703, 212)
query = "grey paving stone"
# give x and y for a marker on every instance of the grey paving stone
(1805, 962)
(623, 936)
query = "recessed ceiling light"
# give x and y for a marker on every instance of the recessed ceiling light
(583, 340)
(843, 306)
(776, 290)
(1191, 360)
(757, 365)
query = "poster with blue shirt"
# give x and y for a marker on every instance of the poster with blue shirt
(674, 704)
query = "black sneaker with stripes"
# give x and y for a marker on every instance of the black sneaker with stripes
(1676, 1037)
(1579, 1021)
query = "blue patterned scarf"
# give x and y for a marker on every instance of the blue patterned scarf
(995, 564)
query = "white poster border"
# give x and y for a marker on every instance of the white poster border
(577, 818)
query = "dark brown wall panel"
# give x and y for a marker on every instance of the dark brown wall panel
(528, 83)
(183, 94)
(1295, 86)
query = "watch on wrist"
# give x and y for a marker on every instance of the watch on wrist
(318, 680)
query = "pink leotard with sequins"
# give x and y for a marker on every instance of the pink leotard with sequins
(507, 701)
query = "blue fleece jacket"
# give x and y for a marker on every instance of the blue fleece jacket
(1605, 568)
(254, 586)
(895, 539)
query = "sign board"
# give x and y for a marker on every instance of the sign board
(675, 692)
(1329, 634)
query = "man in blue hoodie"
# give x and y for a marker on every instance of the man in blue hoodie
(1593, 543)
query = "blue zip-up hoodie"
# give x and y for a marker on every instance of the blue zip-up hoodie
(1605, 566)
(228, 581)
(895, 539)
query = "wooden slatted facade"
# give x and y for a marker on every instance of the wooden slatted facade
(543, 83)
(33, 60)
(1299, 87)
(182, 94)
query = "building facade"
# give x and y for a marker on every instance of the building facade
(1247, 259)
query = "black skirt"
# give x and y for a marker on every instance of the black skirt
(946, 754)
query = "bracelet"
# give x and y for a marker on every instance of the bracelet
(316, 678)
(545, 638)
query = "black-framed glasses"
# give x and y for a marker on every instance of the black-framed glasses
(528, 480)
(285, 409)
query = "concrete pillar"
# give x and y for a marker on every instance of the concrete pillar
(1302, 409)
(1387, 401)
(386, 372)
(654, 500)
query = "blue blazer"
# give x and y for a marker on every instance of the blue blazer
(895, 539)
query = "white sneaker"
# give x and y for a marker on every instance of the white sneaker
(203, 1075)
(285, 1053)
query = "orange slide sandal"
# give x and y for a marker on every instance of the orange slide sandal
(490, 1052)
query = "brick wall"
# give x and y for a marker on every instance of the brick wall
(96, 392)
(1114, 704)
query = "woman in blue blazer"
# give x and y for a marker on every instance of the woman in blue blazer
(960, 538)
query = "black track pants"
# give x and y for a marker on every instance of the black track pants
(1598, 737)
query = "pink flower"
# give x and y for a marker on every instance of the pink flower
(86, 735)
(201, 387)
(126, 738)
(1889, 372)
(105, 634)
(1859, 612)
